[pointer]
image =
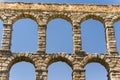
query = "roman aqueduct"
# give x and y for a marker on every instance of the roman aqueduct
(75, 14)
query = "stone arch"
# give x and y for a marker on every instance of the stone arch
(26, 15)
(93, 16)
(66, 21)
(99, 19)
(98, 69)
(54, 16)
(95, 58)
(61, 70)
(19, 58)
(33, 20)
(59, 57)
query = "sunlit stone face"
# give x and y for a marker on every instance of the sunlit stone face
(71, 16)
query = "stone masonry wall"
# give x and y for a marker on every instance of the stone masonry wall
(75, 14)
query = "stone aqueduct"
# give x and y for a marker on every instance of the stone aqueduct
(75, 14)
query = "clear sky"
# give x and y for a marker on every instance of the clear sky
(27, 29)
(68, 1)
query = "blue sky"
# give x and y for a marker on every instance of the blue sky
(27, 29)
(68, 1)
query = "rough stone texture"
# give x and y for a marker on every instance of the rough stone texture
(75, 14)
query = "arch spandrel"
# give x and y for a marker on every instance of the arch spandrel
(3, 18)
(115, 19)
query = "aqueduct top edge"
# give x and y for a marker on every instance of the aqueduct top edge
(60, 7)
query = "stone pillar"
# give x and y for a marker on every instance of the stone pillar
(110, 37)
(78, 74)
(114, 75)
(77, 38)
(6, 37)
(41, 74)
(41, 39)
(4, 75)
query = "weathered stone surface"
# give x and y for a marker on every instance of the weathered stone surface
(75, 14)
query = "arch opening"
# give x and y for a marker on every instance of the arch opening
(1, 32)
(93, 36)
(59, 36)
(22, 71)
(117, 32)
(24, 36)
(95, 71)
(59, 71)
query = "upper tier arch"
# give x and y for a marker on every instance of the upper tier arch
(92, 16)
(43, 13)
(54, 16)
(26, 15)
